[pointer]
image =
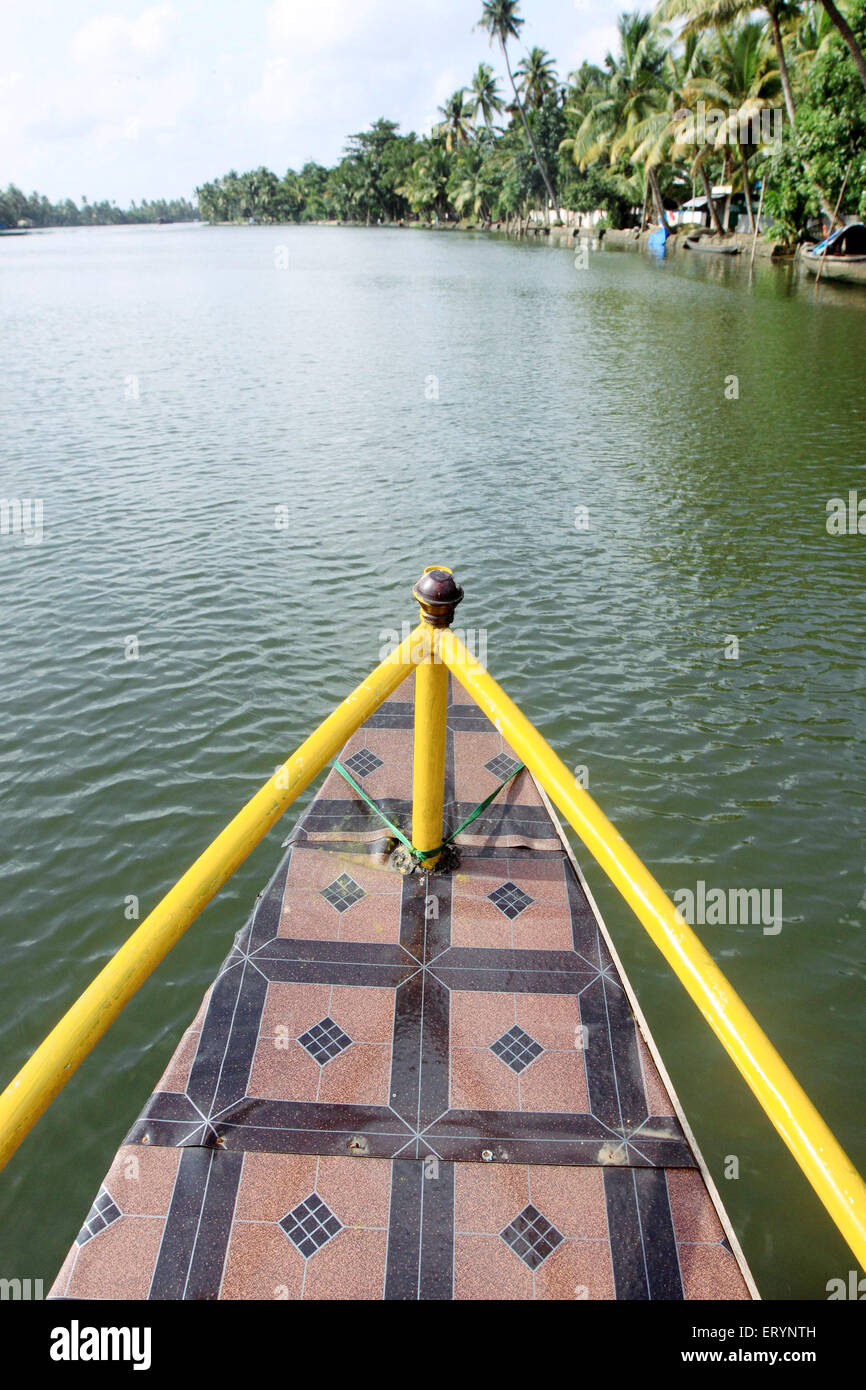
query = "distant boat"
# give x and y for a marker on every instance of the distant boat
(841, 256)
(705, 243)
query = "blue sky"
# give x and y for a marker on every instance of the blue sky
(128, 99)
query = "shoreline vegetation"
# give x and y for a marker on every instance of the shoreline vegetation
(731, 115)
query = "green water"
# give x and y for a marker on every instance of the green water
(165, 390)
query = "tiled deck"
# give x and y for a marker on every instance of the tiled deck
(411, 1088)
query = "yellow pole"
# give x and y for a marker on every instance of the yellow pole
(30, 1093)
(428, 774)
(438, 594)
(824, 1162)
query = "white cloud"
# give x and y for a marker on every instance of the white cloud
(112, 37)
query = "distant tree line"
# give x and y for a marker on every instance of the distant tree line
(38, 211)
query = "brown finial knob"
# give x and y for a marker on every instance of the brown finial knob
(438, 593)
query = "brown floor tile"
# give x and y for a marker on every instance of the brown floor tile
(475, 922)
(551, 1019)
(577, 1270)
(542, 927)
(314, 869)
(358, 1191)
(473, 782)
(658, 1100)
(522, 791)
(480, 1081)
(351, 1266)
(458, 695)
(141, 1179)
(309, 916)
(710, 1271)
(261, 1264)
(572, 1199)
(176, 1075)
(374, 919)
(693, 1213)
(292, 1009)
(119, 1262)
(365, 1013)
(273, 1184)
(284, 1073)
(485, 1268)
(477, 877)
(555, 1082)
(359, 1076)
(479, 1019)
(487, 1196)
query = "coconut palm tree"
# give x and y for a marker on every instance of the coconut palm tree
(848, 35)
(703, 15)
(666, 135)
(743, 79)
(485, 100)
(537, 73)
(503, 22)
(636, 89)
(810, 35)
(456, 124)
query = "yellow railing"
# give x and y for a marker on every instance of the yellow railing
(822, 1159)
(30, 1093)
(433, 650)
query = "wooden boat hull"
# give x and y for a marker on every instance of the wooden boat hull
(850, 268)
(432, 1086)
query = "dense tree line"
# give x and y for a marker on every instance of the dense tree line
(621, 136)
(627, 137)
(37, 211)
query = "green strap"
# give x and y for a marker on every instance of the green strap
(423, 854)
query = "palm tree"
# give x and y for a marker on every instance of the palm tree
(743, 77)
(537, 74)
(470, 187)
(426, 185)
(635, 90)
(501, 20)
(484, 93)
(848, 35)
(701, 15)
(666, 135)
(457, 117)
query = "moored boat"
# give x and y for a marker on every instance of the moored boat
(841, 256)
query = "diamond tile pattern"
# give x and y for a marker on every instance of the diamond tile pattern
(531, 1236)
(325, 1040)
(362, 763)
(510, 900)
(398, 1011)
(103, 1213)
(517, 1049)
(502, 766)
(311, 1225)
(343, 892)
